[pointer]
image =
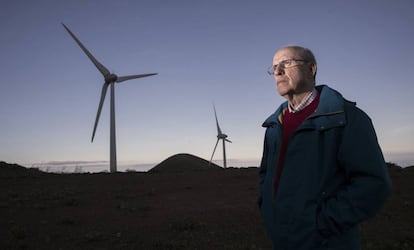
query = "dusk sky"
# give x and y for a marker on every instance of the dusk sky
(205, 51)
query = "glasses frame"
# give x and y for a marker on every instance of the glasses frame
(272, 69)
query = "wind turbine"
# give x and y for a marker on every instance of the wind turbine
(110, 80)
(220, 136)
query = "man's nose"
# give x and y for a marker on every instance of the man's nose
(279, 70)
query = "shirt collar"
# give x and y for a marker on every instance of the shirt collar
(306, 101)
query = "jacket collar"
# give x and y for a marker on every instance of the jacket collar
(330, 102)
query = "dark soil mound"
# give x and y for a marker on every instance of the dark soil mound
(13, 170)
(183, 163)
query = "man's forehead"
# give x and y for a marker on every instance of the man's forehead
(285, 53)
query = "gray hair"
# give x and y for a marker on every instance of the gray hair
(304, 53)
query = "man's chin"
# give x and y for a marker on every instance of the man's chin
(282, 90)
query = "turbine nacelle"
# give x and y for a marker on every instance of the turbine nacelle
(111, 78)
(222, 136)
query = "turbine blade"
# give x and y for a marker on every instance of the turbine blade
(218, 127)
(98, 65)
(227, 140)
(125, 78)
(98, 114)
(215, 147)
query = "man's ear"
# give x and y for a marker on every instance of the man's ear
(313, 69)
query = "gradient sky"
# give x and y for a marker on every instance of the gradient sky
(205, 51)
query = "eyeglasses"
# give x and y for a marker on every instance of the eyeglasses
(288, 63)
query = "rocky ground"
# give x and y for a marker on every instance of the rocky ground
(180, 204)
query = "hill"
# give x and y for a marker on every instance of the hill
(14, 170)
(181, 163)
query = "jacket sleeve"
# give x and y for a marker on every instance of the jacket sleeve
(262, 172)
(367, 183)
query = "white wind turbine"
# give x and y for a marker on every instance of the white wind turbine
(110, 80)
(220, 136)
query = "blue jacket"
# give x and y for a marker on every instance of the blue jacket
(334, 177)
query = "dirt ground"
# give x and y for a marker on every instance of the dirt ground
(209, 209)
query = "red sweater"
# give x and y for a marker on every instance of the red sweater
(290, 122)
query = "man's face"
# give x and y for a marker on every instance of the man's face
(293, 75)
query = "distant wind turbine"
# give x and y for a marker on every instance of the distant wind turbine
(220, 136)
(110, 79)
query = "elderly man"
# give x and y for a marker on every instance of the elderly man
(322, 170)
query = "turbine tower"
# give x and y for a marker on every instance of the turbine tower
(110, 80)
(220, 136)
